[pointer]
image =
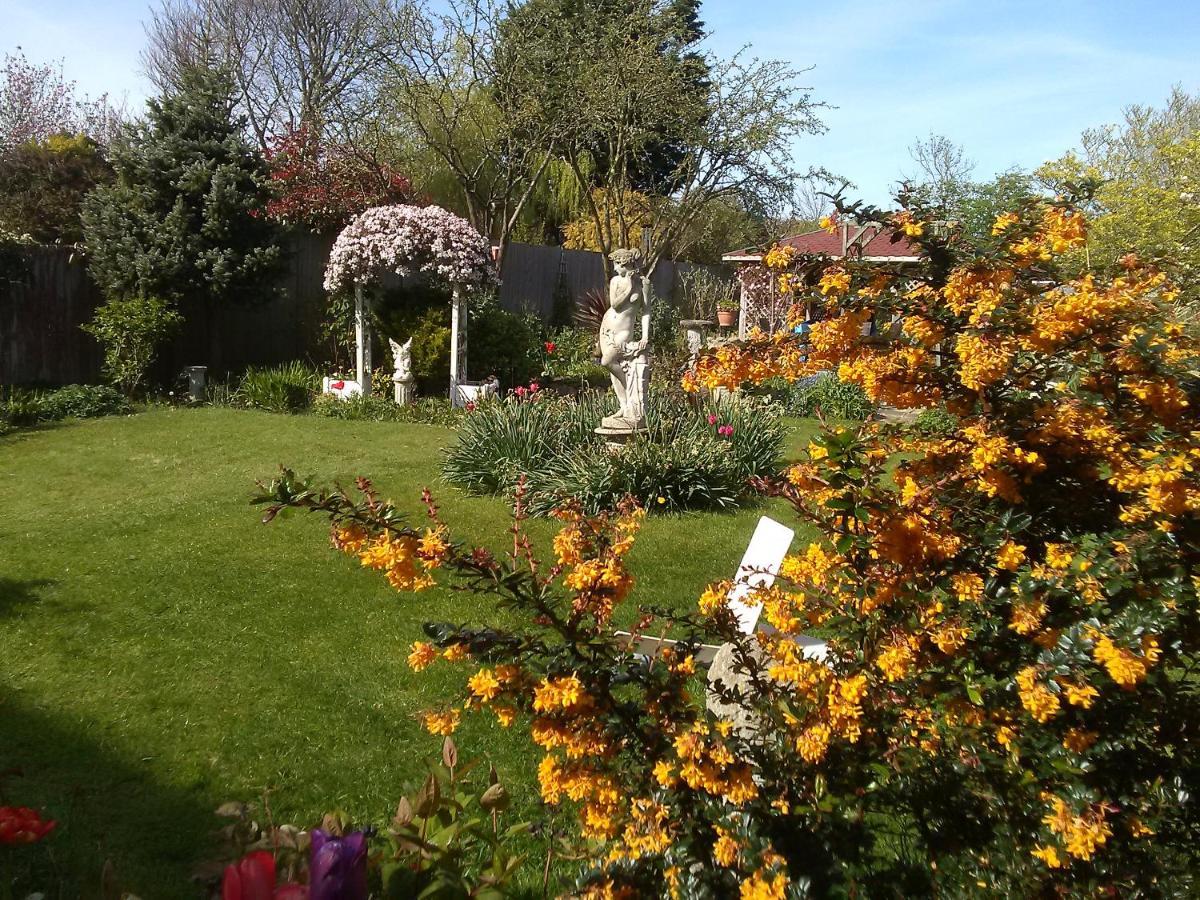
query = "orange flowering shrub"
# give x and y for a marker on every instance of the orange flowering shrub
(1008, 702)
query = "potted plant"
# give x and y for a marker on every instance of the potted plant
(727, 311)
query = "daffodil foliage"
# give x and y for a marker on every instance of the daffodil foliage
(1008, 704)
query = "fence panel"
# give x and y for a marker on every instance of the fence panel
(41, 342)
(40, 315)
(530, 278)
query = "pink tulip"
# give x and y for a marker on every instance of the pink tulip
(712, 420)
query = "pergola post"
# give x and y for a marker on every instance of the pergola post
(458, 346)
(742, 309)
(362, 339)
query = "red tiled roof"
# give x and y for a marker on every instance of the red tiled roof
(880, 245)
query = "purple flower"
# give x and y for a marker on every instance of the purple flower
(338, 866)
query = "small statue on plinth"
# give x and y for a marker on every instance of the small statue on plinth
(627, 358)
(402, 378)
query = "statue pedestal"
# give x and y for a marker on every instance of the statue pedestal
(404, 391)
(618, 431)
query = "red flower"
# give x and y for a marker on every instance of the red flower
(519, 391)
(534, 387)
(725, 431)
(551, 346)
(22, 825)
(470, 406)
(712, 420)
(253, 878)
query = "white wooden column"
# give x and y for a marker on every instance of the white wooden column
(362, 340)
(741, 308)
(458, 346)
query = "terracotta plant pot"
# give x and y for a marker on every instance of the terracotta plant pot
(725, 317)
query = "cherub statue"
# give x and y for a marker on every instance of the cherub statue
(627, 359)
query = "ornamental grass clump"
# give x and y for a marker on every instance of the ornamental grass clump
(690, 457)
(1008, 700)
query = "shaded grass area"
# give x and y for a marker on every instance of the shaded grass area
(161, 652)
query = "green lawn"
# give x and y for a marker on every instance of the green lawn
(161, 652)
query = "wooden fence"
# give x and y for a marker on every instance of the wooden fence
(41, 341)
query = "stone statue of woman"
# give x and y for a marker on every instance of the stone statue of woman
(626, 358)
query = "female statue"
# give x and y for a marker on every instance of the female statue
(623, 356)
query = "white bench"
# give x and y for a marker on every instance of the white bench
(758, 569)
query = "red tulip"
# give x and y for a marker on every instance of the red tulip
(470, 406)
(534, 387)
(22, 825)
(551, 346)
(712, 420)
(251, 878)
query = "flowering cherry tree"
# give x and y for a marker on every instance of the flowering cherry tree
(424, 241)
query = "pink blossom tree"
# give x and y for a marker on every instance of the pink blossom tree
(36, 101)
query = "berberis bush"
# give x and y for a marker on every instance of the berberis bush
(1008, 702)
(688, 458)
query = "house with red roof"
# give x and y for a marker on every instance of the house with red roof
(760, 302)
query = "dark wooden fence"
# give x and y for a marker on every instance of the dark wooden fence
(41, 341)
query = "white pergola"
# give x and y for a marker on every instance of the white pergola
(404, 240)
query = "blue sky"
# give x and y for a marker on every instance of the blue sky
(1013, 82)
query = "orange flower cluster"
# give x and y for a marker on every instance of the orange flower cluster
(405, 560)
(591, 553)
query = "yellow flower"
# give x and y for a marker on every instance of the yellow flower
(456, 652)
(1058, 556)
(715, 597)
(725, 849)
(968, 587)
(1124, 666)
(484, 685)
(1081, 834)
(1138, 828)
(664, 773)
(1027, 616)
(1003, 221)
(443, 723)
(826, 223)
(897, 658)
(1079, 694)
(1079, 740)
(1010, 556)
(761, 886)
(1048, 855)
(433, 546)
(1040, 702)
(349, 538)
(834, 283)
(422, 655)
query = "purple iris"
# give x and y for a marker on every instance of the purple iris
(338, 867)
